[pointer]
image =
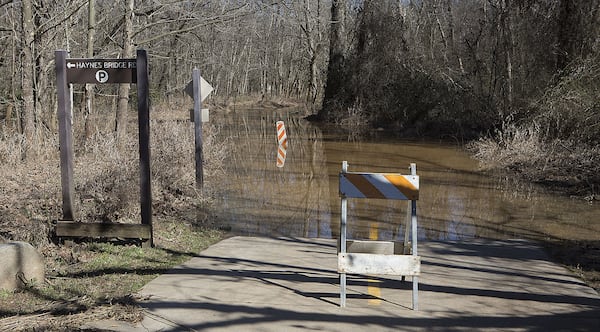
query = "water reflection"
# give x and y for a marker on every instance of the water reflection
(262, 199)
(301, 198)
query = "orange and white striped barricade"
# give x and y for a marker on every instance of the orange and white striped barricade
(281, 143)
(382, 186)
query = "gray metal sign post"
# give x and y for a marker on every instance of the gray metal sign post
(198, 128)
(343, 238)
(198, 89)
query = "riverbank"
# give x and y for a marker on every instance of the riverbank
(562, 168)
(580, 257)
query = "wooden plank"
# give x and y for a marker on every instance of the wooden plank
(376, 247)
(103, 230)
(400, 265)
(101, 71)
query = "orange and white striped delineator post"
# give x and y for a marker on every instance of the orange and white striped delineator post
(382, 186)
(281, 134)
(281, 153)
(281, 143)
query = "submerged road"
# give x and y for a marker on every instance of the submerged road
(291, 284)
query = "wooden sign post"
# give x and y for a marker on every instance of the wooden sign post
(103, 71)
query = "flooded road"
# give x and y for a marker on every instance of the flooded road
(301, 198)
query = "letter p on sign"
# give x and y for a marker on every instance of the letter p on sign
(101, 76)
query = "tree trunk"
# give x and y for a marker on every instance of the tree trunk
(15, 79)
(27, 84)
(337, 58)
(452, 37)
(566, 33)
(43, 114)
(309, 31)
(123, 95)
(509, 42)
(89, 88)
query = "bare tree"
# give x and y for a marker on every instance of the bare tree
(450, 59)
(89, 88)
(309, 19)
(337, 57)
(28, 69)
(123, 95)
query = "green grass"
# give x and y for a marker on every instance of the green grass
(87, 276)
(4, 294)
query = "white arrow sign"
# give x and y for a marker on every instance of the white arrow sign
(70, 65)
(205, 89)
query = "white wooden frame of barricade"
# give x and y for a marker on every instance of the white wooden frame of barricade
(401, 265)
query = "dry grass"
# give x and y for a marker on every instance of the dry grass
(95, 281)
(570, 109)
(558, 143)
(354, 117)
(29, 200)
(510, 147)
(564, 165)
(47, 321)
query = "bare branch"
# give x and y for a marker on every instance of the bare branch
(231, 14)
(41, 30)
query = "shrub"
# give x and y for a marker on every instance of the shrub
(106, 177)
(512, 147)
(562, 164)
(571, 109)
(559, 143)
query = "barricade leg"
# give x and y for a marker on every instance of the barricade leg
(343, 241)
(415, 299)
(413, 219)
(342, 290)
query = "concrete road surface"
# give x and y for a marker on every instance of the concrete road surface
(289, 284)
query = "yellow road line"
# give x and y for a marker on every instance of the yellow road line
(373, 288)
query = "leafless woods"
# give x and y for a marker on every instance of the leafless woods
(460, 67)
(243, 47)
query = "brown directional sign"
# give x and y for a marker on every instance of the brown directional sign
(101, 71)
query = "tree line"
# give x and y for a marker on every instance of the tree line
(454, 67)
(448, 67)
(267, 48)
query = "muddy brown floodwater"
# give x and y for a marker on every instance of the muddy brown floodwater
(301, 198)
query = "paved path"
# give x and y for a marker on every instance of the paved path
(264, 284)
